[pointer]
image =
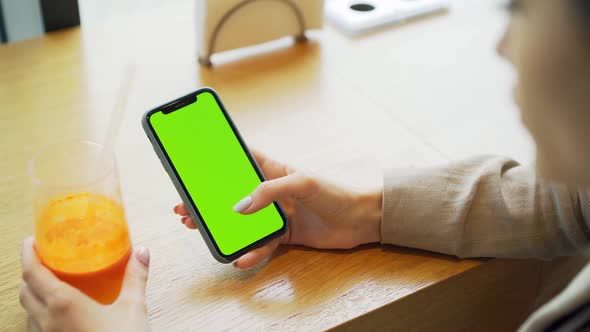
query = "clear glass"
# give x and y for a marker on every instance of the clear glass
(81, 233)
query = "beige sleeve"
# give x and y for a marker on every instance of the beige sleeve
(483, 207)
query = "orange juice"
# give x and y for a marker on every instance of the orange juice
(83, 239)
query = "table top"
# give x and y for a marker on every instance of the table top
(414, 95)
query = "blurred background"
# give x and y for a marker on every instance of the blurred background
(25, 19)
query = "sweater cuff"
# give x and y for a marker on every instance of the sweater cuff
(415, 211)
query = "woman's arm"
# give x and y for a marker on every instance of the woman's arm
(483, 207)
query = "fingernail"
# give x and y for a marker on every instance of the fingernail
(243, 204)
(143, 255)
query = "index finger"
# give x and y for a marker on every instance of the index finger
(38, 278)
(271, 168)
(260, 157)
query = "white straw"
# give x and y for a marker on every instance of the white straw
(112, 133)
(121, 103)
(118, 112)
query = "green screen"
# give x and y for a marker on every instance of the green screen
(216, 172)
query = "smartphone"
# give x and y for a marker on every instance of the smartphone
(212, 169)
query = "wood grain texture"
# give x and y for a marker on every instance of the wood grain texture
(340, 106)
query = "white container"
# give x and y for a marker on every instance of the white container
(357, 16)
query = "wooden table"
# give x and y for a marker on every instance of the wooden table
(414, 95)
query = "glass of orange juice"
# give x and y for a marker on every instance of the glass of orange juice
(81, 233)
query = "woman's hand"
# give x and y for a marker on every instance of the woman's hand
(321, 215)
(53, 305)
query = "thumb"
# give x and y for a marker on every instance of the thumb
(136, 275)
(296, 185)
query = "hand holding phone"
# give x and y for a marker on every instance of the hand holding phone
(321, 214)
